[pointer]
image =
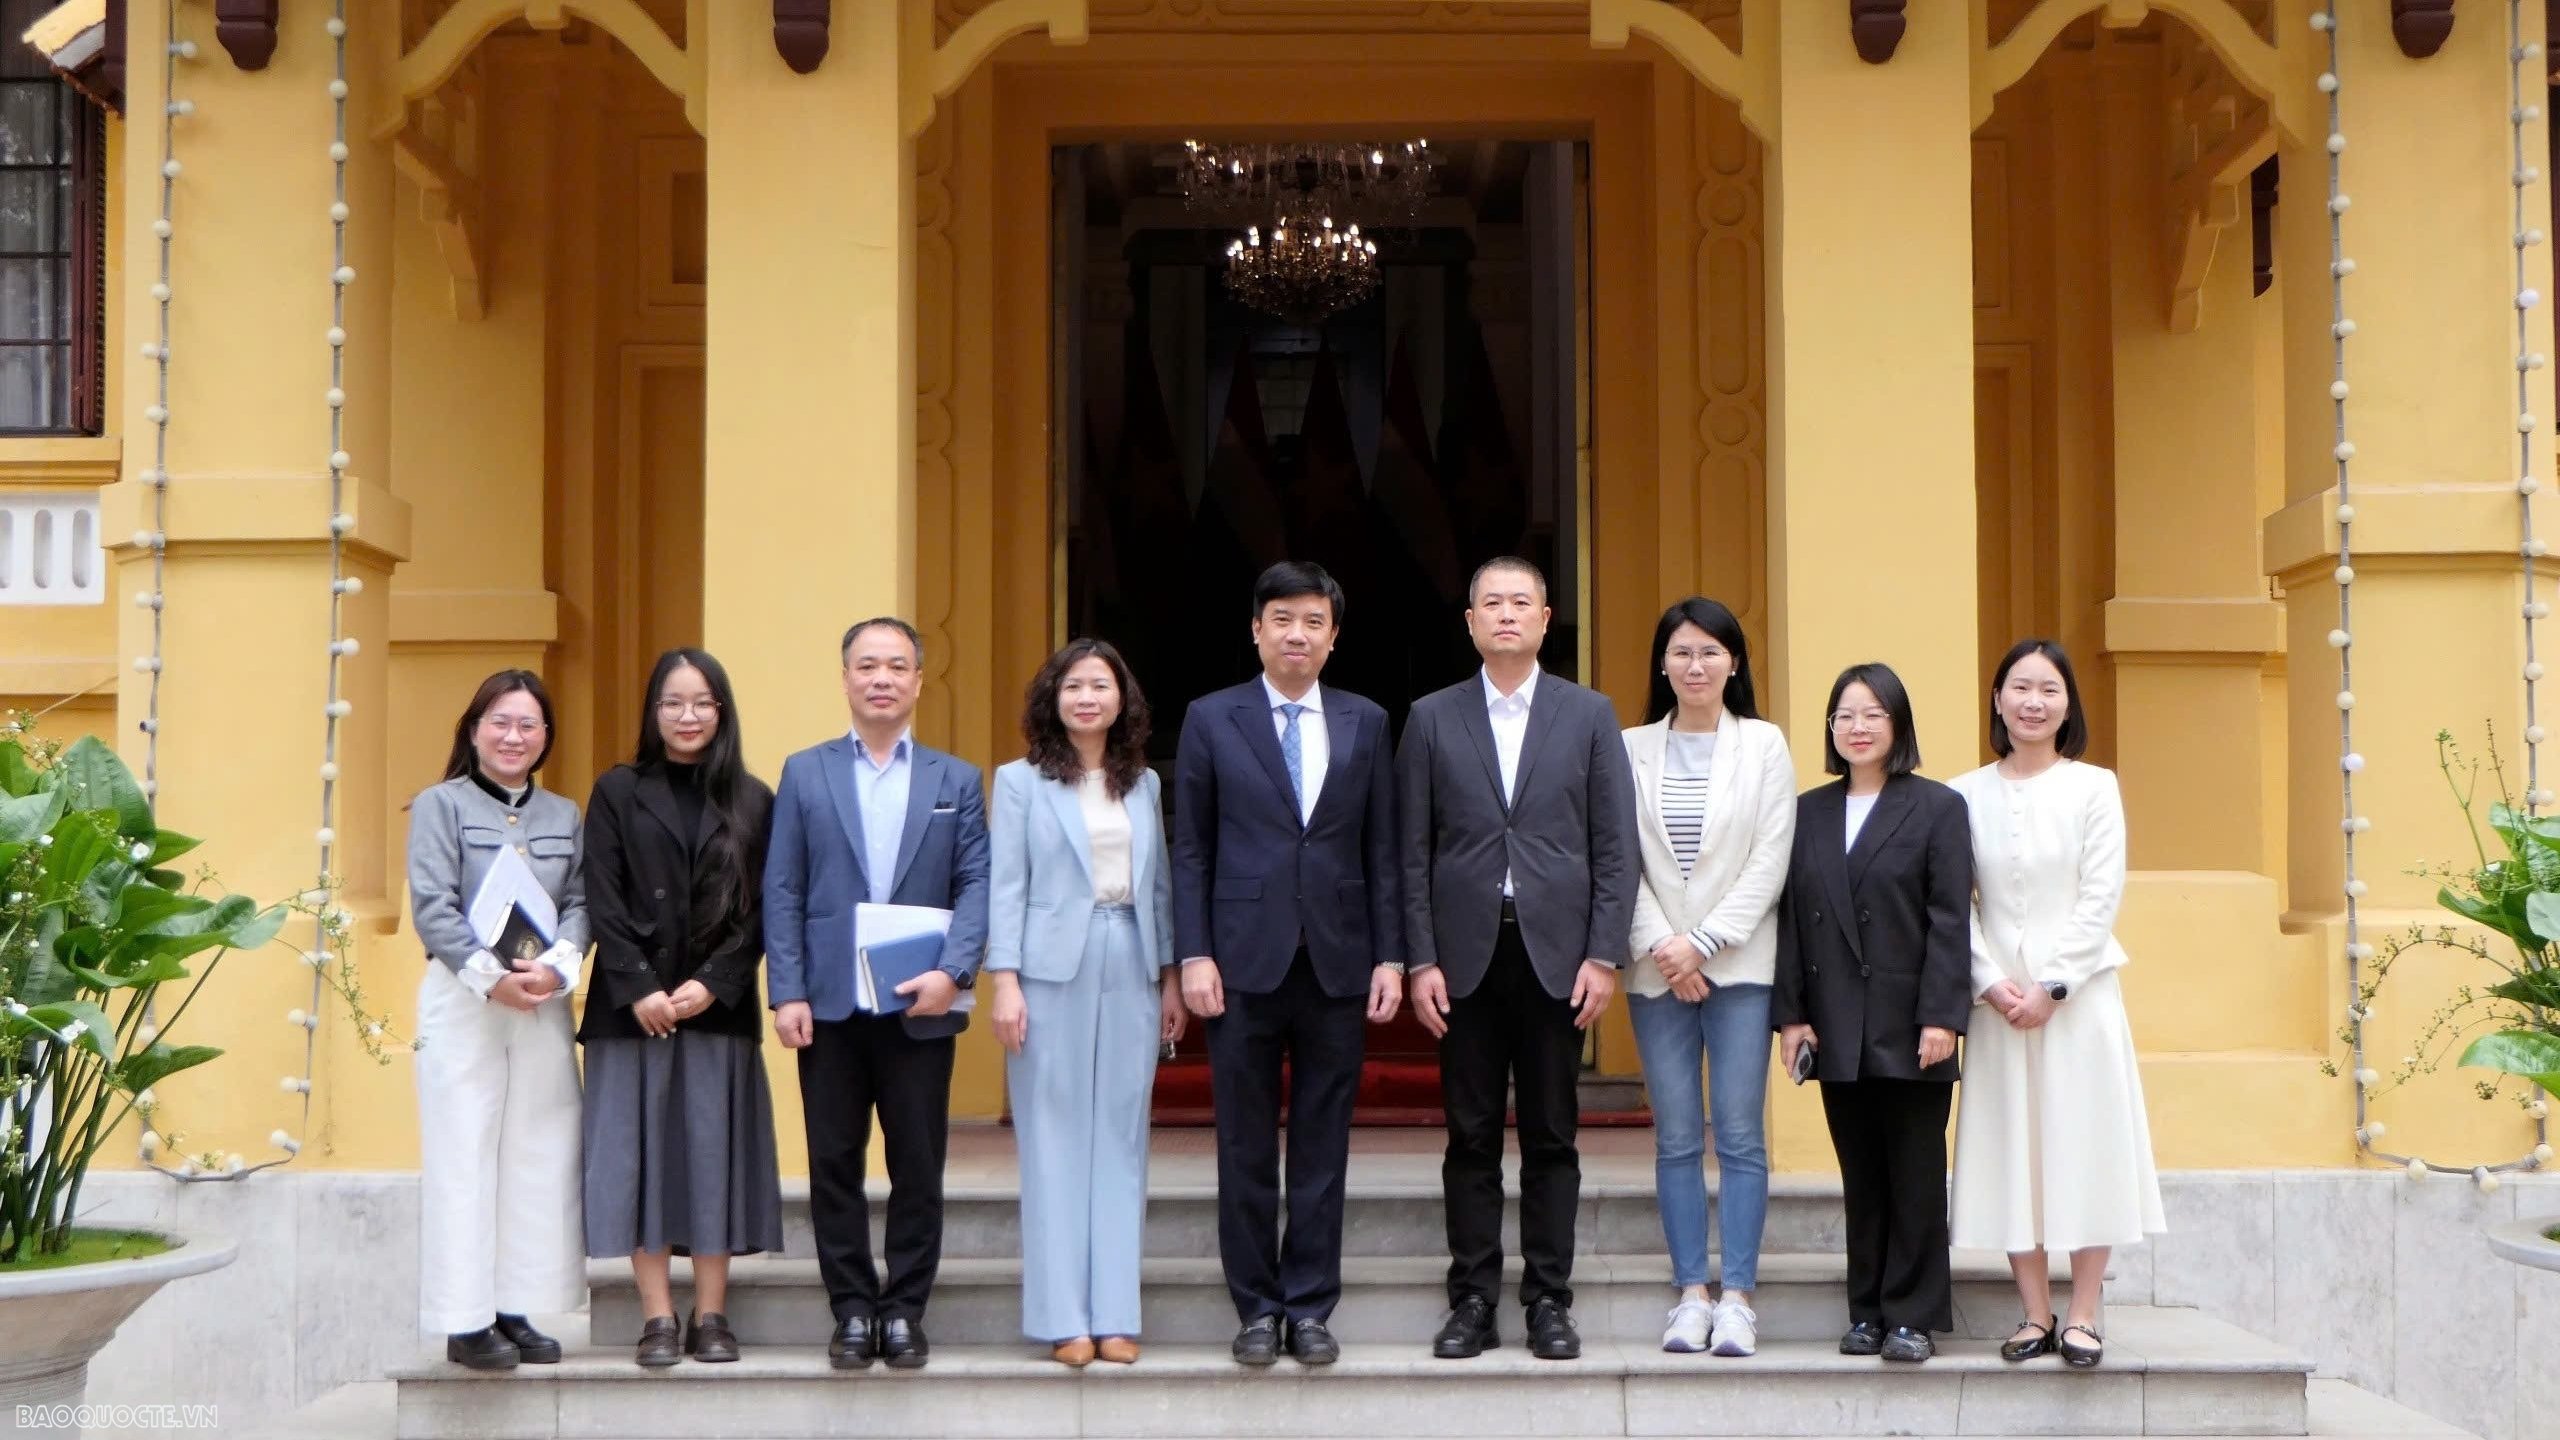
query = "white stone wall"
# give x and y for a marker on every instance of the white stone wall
(2387, 1282)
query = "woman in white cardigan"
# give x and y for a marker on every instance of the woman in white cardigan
(2053, 1149)
(1716, 819)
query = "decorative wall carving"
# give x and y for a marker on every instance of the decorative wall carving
(1730, 412)
(247, 29)
(2218, 132)
(800, 32)
(2421, 26)
(1875, 28)
(937, 324)
(439, 153)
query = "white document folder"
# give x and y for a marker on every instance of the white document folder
(881, 924)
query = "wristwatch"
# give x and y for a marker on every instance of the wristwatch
(2059, 991)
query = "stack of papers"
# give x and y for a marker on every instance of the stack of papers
(511, 914)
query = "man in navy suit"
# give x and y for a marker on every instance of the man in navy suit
(1285, 913)
(874, 816)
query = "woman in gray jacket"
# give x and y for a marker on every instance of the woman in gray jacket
(499, 1224)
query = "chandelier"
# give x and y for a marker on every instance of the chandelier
(1357, 181)
(1304, 270)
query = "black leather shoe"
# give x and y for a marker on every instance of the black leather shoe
(2029, 1341)
(1552, 1335)
(661, 1343)
(709, 1339)
(1864, 1338)
(902, 1343)
(852, 1346)
(1908, 1346)
(1468, 1332)
(1258, 1343)
(2077, 1356)
(482, 1350)
(1312, 1344)
(536, 1347)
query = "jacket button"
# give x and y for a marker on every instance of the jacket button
(658, 894)
(1862, 917)
(662, 952)
(1863, 971)
(1817, 914)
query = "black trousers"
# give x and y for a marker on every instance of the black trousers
(851, 1067)
(1891, 1136)
(1296, 1273)
(1511, 1033)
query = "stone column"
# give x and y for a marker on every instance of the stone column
(248, 511)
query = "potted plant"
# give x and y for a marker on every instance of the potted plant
(94, 929)
(2514, 893)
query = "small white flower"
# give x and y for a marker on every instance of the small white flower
(141, 853)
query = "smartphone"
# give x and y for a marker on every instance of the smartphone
(1802, 1070)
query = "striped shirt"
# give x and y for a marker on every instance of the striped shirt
(1688, 761)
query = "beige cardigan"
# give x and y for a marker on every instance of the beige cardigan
(1731, 894)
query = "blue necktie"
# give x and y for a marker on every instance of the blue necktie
(1292, 756)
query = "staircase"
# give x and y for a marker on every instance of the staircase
(2168, 1372)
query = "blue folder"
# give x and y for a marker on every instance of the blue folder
(884, 967)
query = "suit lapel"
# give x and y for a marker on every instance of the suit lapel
(1253, 717)
(924, 785)
(1892, 807)
(1722, 782)
(1828, 840)
(1067, 803)
(835, 763)
(658, 798)
(1478, 724)
(1542, 727)
(1649, 757)
(1342, 746)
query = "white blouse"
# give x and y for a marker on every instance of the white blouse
(1106, 828)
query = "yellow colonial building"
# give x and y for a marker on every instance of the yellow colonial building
(1906, 329)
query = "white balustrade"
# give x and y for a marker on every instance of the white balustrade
(49, 550)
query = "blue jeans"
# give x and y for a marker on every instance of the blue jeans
(1730, 1033)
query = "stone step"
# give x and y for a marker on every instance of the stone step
(1380, 1217)
(779, 1300)
(2168, 1372)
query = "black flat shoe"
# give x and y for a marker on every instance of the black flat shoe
(536, 1347)
(709, 1339)
(2081, 1357)
(1258, 1342)
(902, 1343)
(852, 1346)
(2038, 1340)
(1864, 1338)
(1552, 1335)
(1908, 1346)
(1468, 1332)
(482, 1350)
(661, 1343)
(1310, 1343)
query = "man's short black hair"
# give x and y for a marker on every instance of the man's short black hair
(844, 652)
(1292, 578)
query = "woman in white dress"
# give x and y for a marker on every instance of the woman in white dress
(2053, 1150)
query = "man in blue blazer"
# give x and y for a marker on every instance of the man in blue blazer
(1286, 916)
(874, 816)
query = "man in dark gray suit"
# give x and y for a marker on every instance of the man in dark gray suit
(1517, 808)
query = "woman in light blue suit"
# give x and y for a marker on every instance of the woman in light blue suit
(1080, 960)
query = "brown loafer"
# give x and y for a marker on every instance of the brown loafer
(710, 1340)
(661, 1342)
(1075, 1354)
(1118, 1349)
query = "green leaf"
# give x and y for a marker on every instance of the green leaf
(24, 817)
(91, 777)
(168, 845)
(2538, 988)
(2532, 1054)
(47, 980)
(145, 1068)
(97, 1032)
(74, 854)
(2509, 919)
(17, 773)
(144, 907)
(2542, 912)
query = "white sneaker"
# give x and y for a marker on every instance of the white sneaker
(1737, 1329)
(1688, 1332)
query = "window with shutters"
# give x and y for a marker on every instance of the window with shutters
(53, 185)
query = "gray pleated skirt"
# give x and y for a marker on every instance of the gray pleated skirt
(679, 1147)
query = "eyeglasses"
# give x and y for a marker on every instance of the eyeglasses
(501, 725)
(1872, 719)
(680, 709)
(1682, 659)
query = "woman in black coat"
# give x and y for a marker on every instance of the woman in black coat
(1874, 970)
(678, 1119)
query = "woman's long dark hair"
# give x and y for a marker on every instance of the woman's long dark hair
(2072, 740)
(724, 882)
(465, 759)
(1712, 617)
(1053, 753)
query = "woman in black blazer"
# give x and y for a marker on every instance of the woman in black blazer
(1874, 966)
(678, 1118)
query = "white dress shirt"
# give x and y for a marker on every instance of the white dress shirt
(1315, 746)
(1510, 717)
